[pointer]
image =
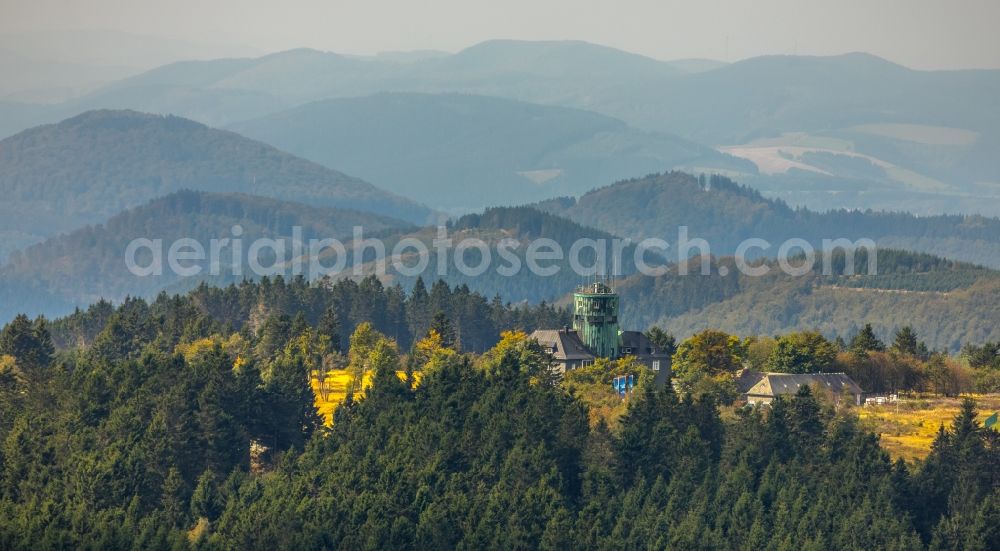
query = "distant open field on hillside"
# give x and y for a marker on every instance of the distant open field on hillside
(780, 159)
(908, 427)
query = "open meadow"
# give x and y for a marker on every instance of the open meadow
(908, 427)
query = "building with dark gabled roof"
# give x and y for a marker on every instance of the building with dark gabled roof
(638, 345)
(596, 333)
(761, 388)
(567, 350)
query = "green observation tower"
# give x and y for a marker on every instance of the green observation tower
(595, 318)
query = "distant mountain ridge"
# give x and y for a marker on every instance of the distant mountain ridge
(461, 151)
(948, 302)
(845, 131)
(725, 213)
(88, 168)
(694, 98)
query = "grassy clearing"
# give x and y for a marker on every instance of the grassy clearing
(337, 384)
(908, 428)
(803, 139)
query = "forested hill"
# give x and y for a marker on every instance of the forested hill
(190, 423)
(529, 223)
(948, 303)
(274, 306)
(462, 151)
(81, 267)
(83, 170)
(509, 274)
(725, 213)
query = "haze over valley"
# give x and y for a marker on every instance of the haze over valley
(461, 274)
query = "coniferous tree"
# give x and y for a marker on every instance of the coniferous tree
(866, 341)
(329, 326)
(442, 325)
(124, 446)
(172, 499)
(29, 343)
(206, 500)
(905, 341)
(662, 340)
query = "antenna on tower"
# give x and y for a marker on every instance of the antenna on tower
(614, 267)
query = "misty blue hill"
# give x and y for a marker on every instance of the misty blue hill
(56, 178)
(931, 136)
(461, 152)
(710, 102)
(696, 65)
(554, 59)
(221, 91)
(761, 96)
(80, 267)
(725, 213)
(948, 302)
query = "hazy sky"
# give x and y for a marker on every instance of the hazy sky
(918, 33)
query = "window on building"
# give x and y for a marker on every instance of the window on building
(656, 365)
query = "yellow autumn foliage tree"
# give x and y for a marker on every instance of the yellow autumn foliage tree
(517, 351)
(430, 353)
(7, 362)
(235, 346)
(9, 371)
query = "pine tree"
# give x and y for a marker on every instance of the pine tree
(662, 340)
(206, 500)
(972, 472)
(443, 326)
(292, 415)
(276, 331)
(29, 343)
(905, 341)
(172, 497)
(866, 341)
(329, 326)
(299, 324)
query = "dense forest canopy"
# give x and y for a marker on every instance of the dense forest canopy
(189, 422)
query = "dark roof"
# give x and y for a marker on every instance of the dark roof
(774, 384)
(639, 344)
(563, 344)
(746, 379)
